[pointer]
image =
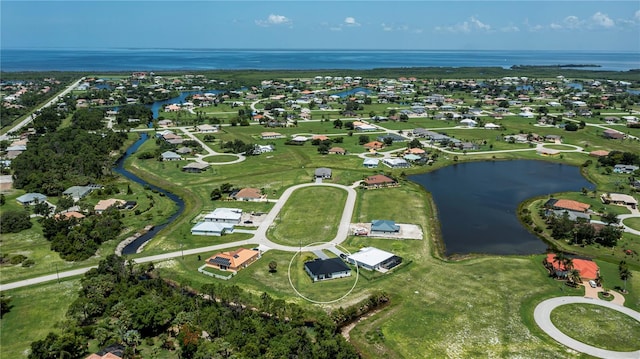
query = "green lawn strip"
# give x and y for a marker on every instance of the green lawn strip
(310, 215)
(598, 326)
(633, 222)
(409, 204)
(36, 310)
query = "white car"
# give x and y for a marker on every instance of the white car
(592, 283)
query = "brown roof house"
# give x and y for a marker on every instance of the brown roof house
(613, 134)
(248, 194)
(378, 181)
(103, 204)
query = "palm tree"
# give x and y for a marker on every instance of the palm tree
(559, 258)
(574, 277)
(625, 274)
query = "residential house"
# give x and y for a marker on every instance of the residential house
(491, 126)
(613, 134)
(370, 162)
(553, 138)
(270, 135)
(337, 151)
(372, 258)
(184, 150)
(468, 122)
(374, 145)
(619, 199)
(378, 181)
(363, 127)
(248, 194)
(384, 226)
(233, 261)
(260, 149)
(396, 162)
(324, 269)
(31, 199)
(322, 173)
(211, 229)
(588, 269)
(567, 204)
(206, 128)
(104, 204)
(392, 136)
(170, 156)
(78, 192)
(620, 168)
(571, 215)
(224, 215)
(195, 167)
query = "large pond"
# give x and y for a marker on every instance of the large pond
(477, 202)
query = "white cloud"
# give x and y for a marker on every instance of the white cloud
(351, 21)
(603, 20)
(273, 19)
(465, 27)
(479, 25)
(510, 28)
(386, 27)
(571, 22)
(637, 15)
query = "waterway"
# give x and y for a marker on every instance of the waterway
(132, 247)
(477, 202)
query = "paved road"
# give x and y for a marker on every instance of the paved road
(30, 118)
(259, 239)
(542, 316)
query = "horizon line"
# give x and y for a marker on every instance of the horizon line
(297, 49)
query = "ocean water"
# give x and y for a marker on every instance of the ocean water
(212, 59)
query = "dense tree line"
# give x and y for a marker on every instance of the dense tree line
(76, 240)
(619, 157)
(70, 156)
(238, 146)
(583, 233)
(137, 111)
(123, 303)
(14, 221)
(88, 119)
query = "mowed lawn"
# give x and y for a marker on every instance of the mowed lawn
(598, 326)
(310, 215)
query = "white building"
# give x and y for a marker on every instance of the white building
(224, 215)
(211, 229)
(372, 258)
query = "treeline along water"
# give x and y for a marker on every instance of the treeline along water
(212, 59)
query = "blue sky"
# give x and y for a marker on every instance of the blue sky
(306, 24)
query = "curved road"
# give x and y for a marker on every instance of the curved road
(259, 238)
(542, 316)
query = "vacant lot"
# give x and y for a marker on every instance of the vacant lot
(310, 215)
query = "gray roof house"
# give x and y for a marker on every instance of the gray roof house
(170, 156)
(31, 198)
(370, 162)
(77, 192)
(322, 172)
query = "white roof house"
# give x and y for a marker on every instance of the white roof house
(491, 126)
(370, 258)
(224, 215)
(211, 229)
(370, 162)
(31, 198)
(469, 122)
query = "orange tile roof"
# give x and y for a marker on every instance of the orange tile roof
(320, 137)
(374, 144)
(599, 153)
(72, 214)
(416, 151)
(588, 269)
(236, 258)
(572, 205)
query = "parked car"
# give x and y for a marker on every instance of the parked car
(593, 284)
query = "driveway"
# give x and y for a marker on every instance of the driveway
(542, 316)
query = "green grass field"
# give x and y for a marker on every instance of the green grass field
(35, 311)
(598, 326)
(310, 215)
